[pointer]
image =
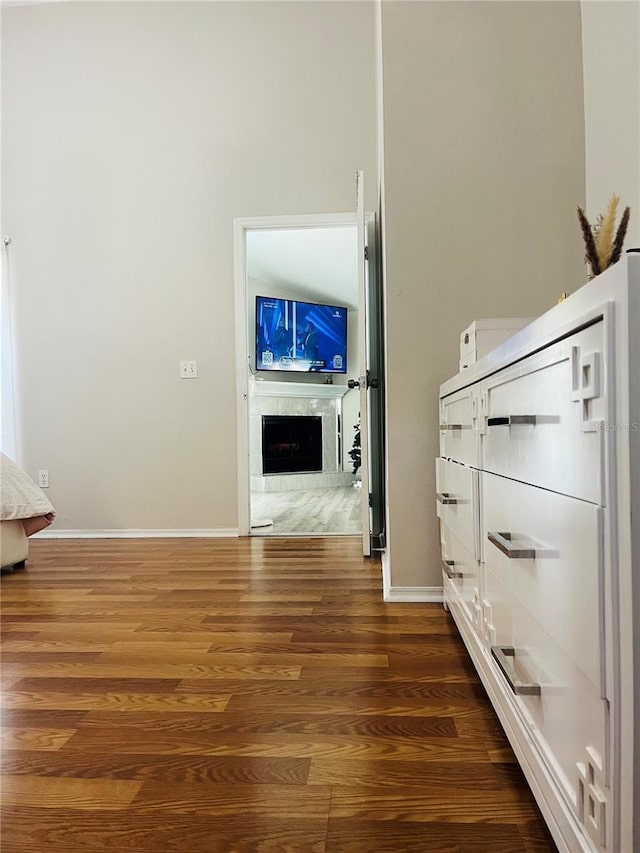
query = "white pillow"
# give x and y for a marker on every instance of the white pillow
(21, 498)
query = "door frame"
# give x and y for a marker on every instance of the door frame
(241, 225)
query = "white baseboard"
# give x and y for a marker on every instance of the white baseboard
(406, 593)
(182, 533)
(413, 593)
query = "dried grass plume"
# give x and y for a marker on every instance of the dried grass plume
(602, 249)
(591, 253)
(618, 243)
(604, 235)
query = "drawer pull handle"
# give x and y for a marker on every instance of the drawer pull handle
(512, 420)
(445, 427)
(503, 541)
(501, 655)
(446, 498)
(447, 566)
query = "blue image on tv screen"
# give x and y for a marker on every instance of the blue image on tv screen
(303, 337)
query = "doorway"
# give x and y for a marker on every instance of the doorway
(293, 272)
(301, 348)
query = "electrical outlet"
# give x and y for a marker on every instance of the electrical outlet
(43, 478)
(188, 370)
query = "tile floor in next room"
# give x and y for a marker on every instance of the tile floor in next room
(308, 511)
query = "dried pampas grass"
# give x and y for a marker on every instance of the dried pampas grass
(602, 249)
(591, 256)
(618, 243)
(604, 232)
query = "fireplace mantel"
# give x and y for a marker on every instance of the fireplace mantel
(264, 388)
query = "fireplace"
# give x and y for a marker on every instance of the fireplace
(291, 444)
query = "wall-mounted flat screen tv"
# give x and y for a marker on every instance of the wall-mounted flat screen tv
(303, 337)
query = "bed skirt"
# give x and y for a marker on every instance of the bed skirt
(14, 545)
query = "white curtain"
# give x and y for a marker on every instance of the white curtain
(8, 426)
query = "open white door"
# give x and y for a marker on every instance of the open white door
(363, 364)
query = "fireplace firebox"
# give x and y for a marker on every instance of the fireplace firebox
(291, 444)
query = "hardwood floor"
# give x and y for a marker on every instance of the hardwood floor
(308, 511)
(214, 696)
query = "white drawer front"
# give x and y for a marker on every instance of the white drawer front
(458, 438)
(457, 502)
(463, 570)
(567, 720)
(543, 418)
(561, 582)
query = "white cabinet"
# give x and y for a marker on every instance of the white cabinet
(537, 484)
(547, 551)
(543, 417)
(458, 438)
(556, 706)
(461, 568)
(456, 494)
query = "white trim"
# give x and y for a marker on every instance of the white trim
(382, 232)
(182, 533)
(414, 593)
(240, 228)
(303, 220)
(363, 363)
(265, 388)
(386, 568)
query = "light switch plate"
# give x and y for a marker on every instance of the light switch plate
(188, 370)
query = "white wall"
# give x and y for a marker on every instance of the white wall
(484, 166)
(134, 133)
(611, 57)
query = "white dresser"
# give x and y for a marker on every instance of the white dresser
(538, 495)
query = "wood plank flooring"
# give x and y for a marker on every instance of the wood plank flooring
(308, 511)
(223, 696)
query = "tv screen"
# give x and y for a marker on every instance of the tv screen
(304, 337)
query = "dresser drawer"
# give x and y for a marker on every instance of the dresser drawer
(566, 719)
(457, 502)
(458, 438)
(542, 419)
(463, 571)
(547, 549)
